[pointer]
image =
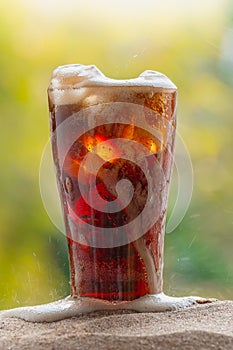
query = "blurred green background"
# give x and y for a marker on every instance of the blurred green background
(191, 42)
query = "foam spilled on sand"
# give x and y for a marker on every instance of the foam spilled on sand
(71, 307)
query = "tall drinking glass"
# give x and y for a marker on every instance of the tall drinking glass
(113, 146)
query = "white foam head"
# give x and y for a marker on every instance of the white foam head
(68, 82)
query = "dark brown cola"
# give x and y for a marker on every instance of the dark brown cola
(95, 111)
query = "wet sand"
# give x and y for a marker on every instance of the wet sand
(208, 326)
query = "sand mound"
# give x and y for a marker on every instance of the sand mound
(208, 326)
